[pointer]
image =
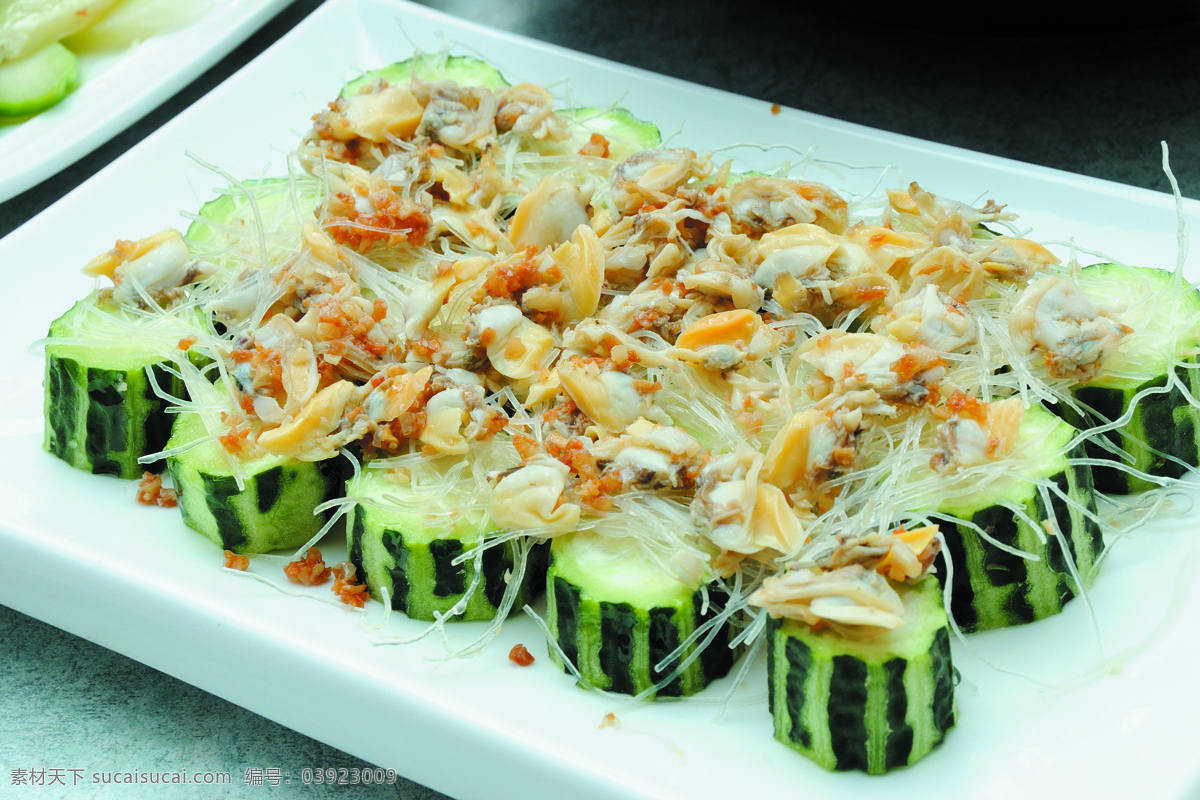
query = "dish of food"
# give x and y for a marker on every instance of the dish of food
(117, 87)
(503, 714)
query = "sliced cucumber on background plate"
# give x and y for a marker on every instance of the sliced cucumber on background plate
(37, 81)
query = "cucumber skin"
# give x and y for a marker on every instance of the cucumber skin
(614, 645)
(851, 713)
(103, 420)
(421, 579)
(994, 589)
(273, 512)
(1162, 425)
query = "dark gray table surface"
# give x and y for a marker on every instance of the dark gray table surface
(1087, 93)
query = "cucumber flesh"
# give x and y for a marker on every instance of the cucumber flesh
(37, 81)
(232, 215)
(871, 705)
(625, 133)
(1154, 302)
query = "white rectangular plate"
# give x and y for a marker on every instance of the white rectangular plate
(79, 553)
(120, 88)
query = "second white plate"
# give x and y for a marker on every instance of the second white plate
(118, 89)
